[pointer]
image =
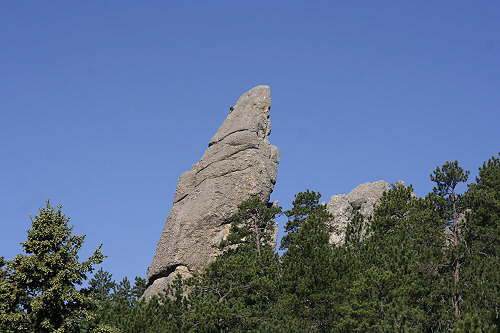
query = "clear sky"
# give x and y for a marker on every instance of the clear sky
(103, 104)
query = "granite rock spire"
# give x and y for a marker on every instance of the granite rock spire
(238, 163)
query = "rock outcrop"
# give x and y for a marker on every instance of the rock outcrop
(238, 163)
(343, 206)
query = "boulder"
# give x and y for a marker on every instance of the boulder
(362, 199)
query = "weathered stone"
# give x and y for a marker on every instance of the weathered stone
(158, 285)
(342, 211)
(343, 206)
(238, 163)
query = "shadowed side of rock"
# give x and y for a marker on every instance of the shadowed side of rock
(238, 163)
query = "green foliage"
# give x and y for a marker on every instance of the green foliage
(396, 271)
(253, 224)
(407, 269)
(480, 280)
(39, 290)
(472, 323)
(483, 218)
(451, 206)
(355, 230)
(101, 285)
(417, 265)
(444, 194)
(120, 308)
(309, 266)
(395, 268)
(236, 291)
(305, 203)
(106, 329)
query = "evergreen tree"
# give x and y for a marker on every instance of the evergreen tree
(39, 289)
(311, 275)
(236, 291)
(101, 285)
(417, 265)
(473, 323)
(305, 204)
(11, 316)
(481, 274)
(395, 268)
(252, 225)
(121, 309)
(451, 206)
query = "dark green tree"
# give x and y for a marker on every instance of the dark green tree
(445, 195)
(252, 225)
(473, 323)
(41, 288)
(304, 204)
(450, 204)
(236, 291)
(127, 312)
(311, 270)
(395, 268)
(481, 275)
(101, 285)
(11, 316)
(120, 308)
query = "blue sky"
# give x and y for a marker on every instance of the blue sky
(103, 104)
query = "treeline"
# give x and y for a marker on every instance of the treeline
(418, 265)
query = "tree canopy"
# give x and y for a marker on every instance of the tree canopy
(40, 291)
(416, 265)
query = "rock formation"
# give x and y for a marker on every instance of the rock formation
(238, 163)
(343, 206)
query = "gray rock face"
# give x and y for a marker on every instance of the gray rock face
(362, 199)
(159, 284)
(238, 163)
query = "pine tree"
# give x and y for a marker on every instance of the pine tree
(11, 316)
(121, 309)
(450, 205)
(101, 285)
(304, 204)
(252, 225)
(395, 268)
(44, 283)
(236, 291)
(481, 274)
(473, 323)
(311, 273)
